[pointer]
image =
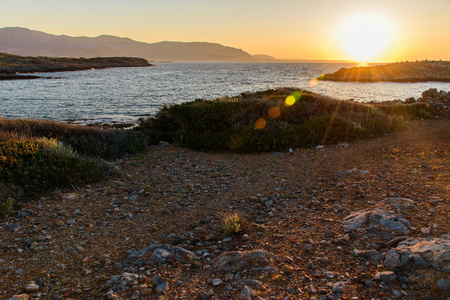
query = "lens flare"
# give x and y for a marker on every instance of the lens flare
(290, 100)
(313, 82)
(260, 123)
(274, 112)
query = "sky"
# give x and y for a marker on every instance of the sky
(375, 30)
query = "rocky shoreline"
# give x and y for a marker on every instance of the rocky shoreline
(11, 66)
(360, 220)
(423, 71)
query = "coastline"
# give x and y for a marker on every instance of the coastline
(13, 65)
(404, 72)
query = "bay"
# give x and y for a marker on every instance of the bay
(130, 93)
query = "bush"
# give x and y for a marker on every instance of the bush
(263, 121)
(233, 223)
(37, 166)
(87, 141)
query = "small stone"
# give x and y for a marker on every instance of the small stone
(387, 277)
(203, 295)
(59, 223)
(70, 222)
(245, 237)
(162, 288)
(287, 269)
(288, 259)
(425, 230)
(338, 288)
(246, 293)
(157, 280)
(443, 284)
(32, 287)
(217, 282)
(20, 297)
(79, 248)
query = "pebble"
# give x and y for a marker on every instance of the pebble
(338, 288)
(287, 269)
(217, 282)
(32, 287)
(162, 288)
(246, 293)
(425, 230)
(59, 223)
(71, 222)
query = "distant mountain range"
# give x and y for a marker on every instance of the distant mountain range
(23, 41)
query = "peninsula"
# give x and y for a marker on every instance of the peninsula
(11, 65)
(419, 71)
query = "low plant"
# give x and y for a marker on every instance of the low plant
(85, 140)
(36, 166)
(6, 206)
(233, 223)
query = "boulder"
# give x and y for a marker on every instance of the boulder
(379, 217)
(236, 261)
(159, 254)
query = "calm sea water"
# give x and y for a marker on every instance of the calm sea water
(130, 93)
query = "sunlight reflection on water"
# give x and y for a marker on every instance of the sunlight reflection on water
(129, 93)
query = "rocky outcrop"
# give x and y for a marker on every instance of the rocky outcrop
(434, 102)
(420, 71)
(375, 220)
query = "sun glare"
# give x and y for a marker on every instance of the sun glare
(365, 37)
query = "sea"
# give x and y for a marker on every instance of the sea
(127, 94)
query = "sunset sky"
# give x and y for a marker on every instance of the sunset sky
(381, 30)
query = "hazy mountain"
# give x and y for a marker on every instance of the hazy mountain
(22, 41)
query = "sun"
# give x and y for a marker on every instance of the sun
(365, 37)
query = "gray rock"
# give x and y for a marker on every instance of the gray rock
(157, 280)
(246, 293)
(159, 254)
(373, 255)
(162, 288)
(203, 295)
(32, 287)
(338, 288)
(255, 284)
(443, 284)
(421, 253)
(401, 203)
(217, 282)
(392, 259)
(71, 222)
(377, 216)
(387, 277)
(235, 261)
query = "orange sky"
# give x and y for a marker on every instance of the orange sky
(286, 29)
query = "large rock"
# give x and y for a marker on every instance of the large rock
(236, 261)
(159, 254)
(427, 256)
(376, 217)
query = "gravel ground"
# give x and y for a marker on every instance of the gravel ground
(71, 244)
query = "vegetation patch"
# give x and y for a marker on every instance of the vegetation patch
(87, 141)
(40, 156)
(30, 167)
(272, 120)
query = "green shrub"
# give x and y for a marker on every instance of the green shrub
(38, 166)
(88, 141)
(229, 124)
(6, 206)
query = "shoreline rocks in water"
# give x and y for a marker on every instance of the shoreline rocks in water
(12, 65)
(419, 71)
